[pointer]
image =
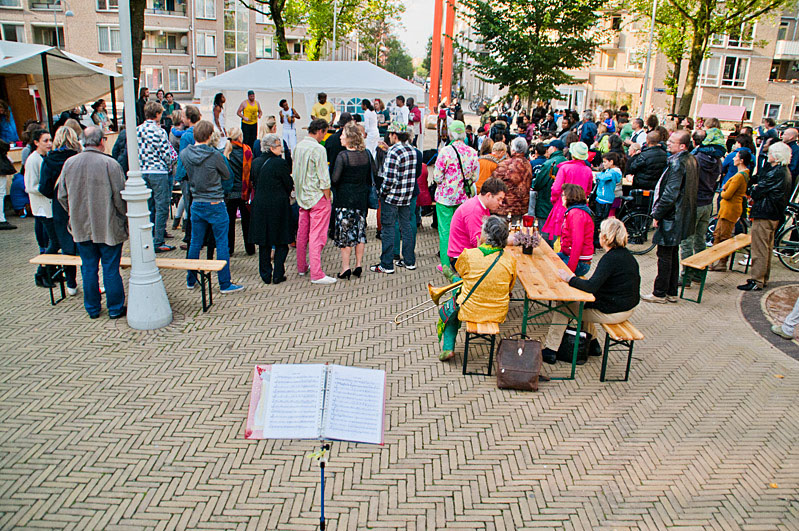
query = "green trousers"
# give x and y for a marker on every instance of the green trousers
(450, 333)
(444, 214)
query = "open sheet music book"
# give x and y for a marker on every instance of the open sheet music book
(317, 402)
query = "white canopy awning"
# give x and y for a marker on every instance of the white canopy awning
(72, 79)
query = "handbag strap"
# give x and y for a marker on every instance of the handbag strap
(479, 280)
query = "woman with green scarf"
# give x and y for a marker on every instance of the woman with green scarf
(488, 274)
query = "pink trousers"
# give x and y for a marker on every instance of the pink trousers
(312, 236)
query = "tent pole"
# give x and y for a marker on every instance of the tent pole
(113, 104)
(46, 78)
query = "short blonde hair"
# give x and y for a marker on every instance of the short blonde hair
(487, 146)
(780, 152)
(177, 117)
(233, 134)
(614, 232)
(354, 136)
(499, 146)
(66, 137)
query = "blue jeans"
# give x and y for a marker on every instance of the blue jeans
(414, 218)
(203, 216)
(582, 266)
(91, 254)
(388, 217)
(158, 203)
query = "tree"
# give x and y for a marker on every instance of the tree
(398, 61)
(528, 46)
(318, 15)
(700, 20)
(137, 36)
(279, 12)
(376, 21)
(457, 63)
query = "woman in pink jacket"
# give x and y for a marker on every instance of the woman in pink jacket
(574, 171)
(577, 236)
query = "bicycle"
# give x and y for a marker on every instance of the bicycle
(635, 213)
(786, 243)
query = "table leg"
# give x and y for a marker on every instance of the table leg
(577, 340)
(524, 315)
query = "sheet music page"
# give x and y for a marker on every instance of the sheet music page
(354, 404)
(293, 407)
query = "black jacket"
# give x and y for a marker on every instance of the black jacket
(675, 206)
(771, 193)
(271, 220)
(235, 161)
(616, 282)
(709, 173)
(333, 147)
(647, 167)
(48, 178)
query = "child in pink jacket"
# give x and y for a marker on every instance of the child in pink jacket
(577, 236)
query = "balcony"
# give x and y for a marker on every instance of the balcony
(17, 4)
(44, 5)
(172, 42)
(786, 50)
(176, 51)
(174, 8)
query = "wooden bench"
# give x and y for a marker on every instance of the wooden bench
(701, 261)
(487, 332)
(203, 267)
(619, 334)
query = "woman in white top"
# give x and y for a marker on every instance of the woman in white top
(41, 206)
(370, 124)
(219, 119)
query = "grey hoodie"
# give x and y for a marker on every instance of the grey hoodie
(205, 168)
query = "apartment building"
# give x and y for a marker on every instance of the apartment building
(186, 41)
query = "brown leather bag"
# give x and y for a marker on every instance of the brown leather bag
(518, 363)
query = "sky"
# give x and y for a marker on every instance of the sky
(418, 26)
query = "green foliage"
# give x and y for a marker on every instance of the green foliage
(377, 20)
(283, 13)
(528, 45)
(398, 61)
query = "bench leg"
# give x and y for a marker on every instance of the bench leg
(732, 262)
(703, 273)
(491, 355)
(205, 281)
(609, 343)
(465, 353)
(60, 277)
(605, 354)
(629, 360)
(488, 338)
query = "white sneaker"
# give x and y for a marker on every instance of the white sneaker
(72, 291)
(303, 273)
(324, 280)
(746, 261)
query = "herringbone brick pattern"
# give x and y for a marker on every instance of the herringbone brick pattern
(104, 427)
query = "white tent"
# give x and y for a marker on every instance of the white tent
(344, 82)
(71, 80)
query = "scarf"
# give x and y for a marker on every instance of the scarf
(488, 249)
(246, 163)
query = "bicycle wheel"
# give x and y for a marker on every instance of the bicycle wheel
(786, 247)
(711, 228)
(639, 232)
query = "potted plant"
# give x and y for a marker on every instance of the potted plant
(527, 241)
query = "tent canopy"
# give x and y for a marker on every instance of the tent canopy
(344, 82)
(73, 79)
(724, 113)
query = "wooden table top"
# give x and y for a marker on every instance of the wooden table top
(538, 274)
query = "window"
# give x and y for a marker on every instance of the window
(263, 46)
(738, 101)
(206, 43)
(205, 73)
(298, 48)
(741, 38)
(734, 72)
(611, 61)
(709, 73)
(178, 79)
(160, 43)
(47, 36)
(12, 32)
(108, 39)
(166, 7)
(796, 112)
(717, 40)
(11, 3)
(615, 23)
(772, 110)
(107, 5)
(236, 34)
(782, 33)
(206, 9)
(152, 77)
(260, 18)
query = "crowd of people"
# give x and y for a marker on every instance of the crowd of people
(570, 172)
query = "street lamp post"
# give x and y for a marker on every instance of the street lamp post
(335, 23)
(68, 13)
(148, 306)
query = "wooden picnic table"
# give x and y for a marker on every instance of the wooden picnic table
(544, 289)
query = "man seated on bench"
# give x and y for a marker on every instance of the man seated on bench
(488, 274)
(616, 285)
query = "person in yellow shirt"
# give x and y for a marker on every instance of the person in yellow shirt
(323, 109)
(249, 112)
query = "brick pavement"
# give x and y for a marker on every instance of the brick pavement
(104, 427)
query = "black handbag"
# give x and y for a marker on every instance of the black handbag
(566, 349)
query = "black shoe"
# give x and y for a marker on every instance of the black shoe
(594, 348)
(5, 225)
(123, 313)
(278, 280)
(750, 285)
(94, 316)
(346, 274)
(357, 272)
(549, 356)
(267, 280)
(42, 282)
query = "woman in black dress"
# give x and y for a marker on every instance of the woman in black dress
(351, 181)
(270, 219)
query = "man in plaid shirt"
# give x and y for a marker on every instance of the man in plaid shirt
(156, 158)
(399, 179)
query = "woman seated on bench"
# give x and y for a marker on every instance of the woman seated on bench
(616, 285)
(488, 303)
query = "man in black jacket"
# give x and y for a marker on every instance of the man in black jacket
(647, 167)
(675, 215)
(770, 195)
(709, 166)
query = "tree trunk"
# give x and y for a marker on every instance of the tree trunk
(137, 35)
(692, 75)
(677, 72)
(276, 8)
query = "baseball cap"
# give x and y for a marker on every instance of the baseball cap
(557, 144)
(457, 127)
